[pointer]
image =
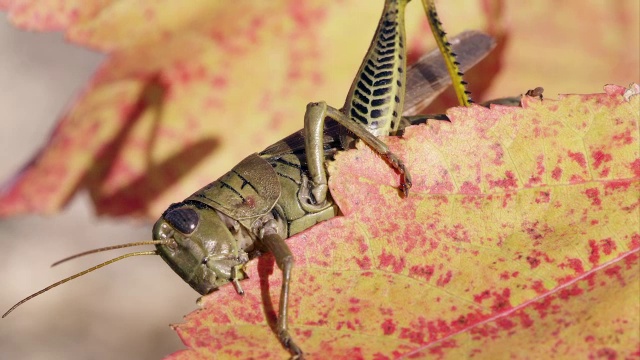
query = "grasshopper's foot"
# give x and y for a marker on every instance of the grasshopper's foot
(312, 199)
(537, 92)
(238, 273)
(397, 164)
(287, 342)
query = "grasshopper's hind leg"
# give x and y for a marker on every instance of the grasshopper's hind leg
(314, 135)
(453, 66)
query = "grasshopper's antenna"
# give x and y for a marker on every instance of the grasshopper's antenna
(114, 247)
(152, 252)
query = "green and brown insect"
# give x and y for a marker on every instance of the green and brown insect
(209, 237)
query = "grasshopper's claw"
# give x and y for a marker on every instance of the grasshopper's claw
(406, 180)
(287, 342)
(399, 166)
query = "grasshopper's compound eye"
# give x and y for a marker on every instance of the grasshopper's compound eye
(184, 220)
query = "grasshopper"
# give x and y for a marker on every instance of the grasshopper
(208, 238)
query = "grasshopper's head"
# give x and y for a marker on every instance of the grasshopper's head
(196, 236)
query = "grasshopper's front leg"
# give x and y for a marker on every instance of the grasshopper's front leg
(284, 259)
(314, 134)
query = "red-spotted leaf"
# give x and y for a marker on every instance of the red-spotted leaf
(520, 238)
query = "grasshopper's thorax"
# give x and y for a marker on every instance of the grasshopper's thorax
(376, 97)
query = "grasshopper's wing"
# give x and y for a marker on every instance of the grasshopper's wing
(294, 143)
(426, 79)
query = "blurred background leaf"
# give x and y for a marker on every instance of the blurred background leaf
(566, 46)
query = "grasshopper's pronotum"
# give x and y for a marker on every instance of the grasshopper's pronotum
(208, 238)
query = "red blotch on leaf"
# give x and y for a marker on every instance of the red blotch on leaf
(594, 195)
(578, 158)
(388, 327)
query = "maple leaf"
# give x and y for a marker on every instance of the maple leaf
(520, 236)
(186, 93)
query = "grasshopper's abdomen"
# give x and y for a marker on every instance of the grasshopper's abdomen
(376, 97)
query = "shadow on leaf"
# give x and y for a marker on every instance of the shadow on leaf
(265, 270)
(135, 197)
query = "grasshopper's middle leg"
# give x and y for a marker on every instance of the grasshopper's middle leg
(314, 135)
(284, 259)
